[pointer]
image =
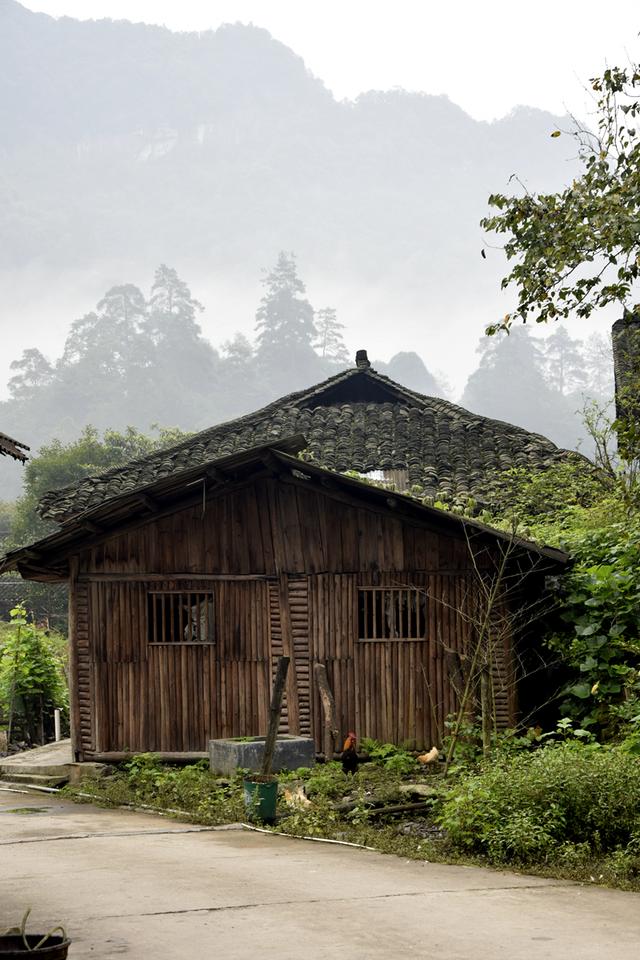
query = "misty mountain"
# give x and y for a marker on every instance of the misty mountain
(220, 148)
(126, 145)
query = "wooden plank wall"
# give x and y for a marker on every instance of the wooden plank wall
(303, 555)
(395, 691)
(175, 697)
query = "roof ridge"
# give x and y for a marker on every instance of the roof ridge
(276, 416)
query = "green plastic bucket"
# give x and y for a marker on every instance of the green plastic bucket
(260, 798)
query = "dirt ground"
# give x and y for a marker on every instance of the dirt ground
(140, 886)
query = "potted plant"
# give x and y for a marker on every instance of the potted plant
(16, 943)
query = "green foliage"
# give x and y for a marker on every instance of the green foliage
(191, 789)
(394, 759)
(579, 250)
(601, 610)
(556, 506)
(60, 464)
(520, 808)
(7, 518)
(33, 665)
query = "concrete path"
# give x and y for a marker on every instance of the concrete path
(131, 885)
(50, 757)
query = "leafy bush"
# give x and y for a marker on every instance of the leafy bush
(601, 612)
(393, 758)
(33, 664)
(522, 807)
(191, 790)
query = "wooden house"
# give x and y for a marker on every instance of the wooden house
(186, 587)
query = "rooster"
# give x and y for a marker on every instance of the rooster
(349, 754)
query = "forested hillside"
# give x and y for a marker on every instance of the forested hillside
(125, 145)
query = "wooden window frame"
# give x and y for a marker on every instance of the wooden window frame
(385, 621)
(163, 625)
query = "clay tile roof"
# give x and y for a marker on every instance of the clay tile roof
(356, 420)
(12, 448)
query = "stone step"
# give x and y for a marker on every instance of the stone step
(24, 779)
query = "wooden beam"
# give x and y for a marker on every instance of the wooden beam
(149, 502)
(216, 474)
(273, 465)
(92, 527)
(117, 756)
(74, 705)
(142, 576)
(274, 715)
(331, 731)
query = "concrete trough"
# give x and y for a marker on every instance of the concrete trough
(291, 752)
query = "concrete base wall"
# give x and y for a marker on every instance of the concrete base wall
(225, 756)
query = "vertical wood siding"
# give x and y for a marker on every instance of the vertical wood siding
(303, 555)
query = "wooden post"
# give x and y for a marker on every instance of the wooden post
(274, 714)
(74, 706)
(331, 732)
(485, 707)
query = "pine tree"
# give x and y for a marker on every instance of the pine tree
(564, 363)
(284, 320)
(184, 363)
(329, 343)
(172, 309)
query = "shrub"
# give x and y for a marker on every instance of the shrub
(522, 807)
(192, 790)
(32, 672)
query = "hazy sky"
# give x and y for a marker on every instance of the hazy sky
(487, 57)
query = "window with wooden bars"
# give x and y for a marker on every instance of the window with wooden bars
(180, 617)
(391, 613)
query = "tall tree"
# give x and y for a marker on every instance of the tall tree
(184, 362)
(107, 340)
(238, 352)
(598, 360)
(329, 341)
(564, 362)
(33, 373)
(509, 384)
(285, 319)
(172, 309)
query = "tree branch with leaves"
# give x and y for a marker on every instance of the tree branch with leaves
(578, 250)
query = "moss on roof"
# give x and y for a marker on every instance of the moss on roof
(357, 420)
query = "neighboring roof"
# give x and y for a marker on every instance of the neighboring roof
(357, 420)
(13, 448)
(48, 558)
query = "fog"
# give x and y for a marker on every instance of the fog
(131, 147)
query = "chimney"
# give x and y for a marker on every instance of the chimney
(362, 360)
(625, 337)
